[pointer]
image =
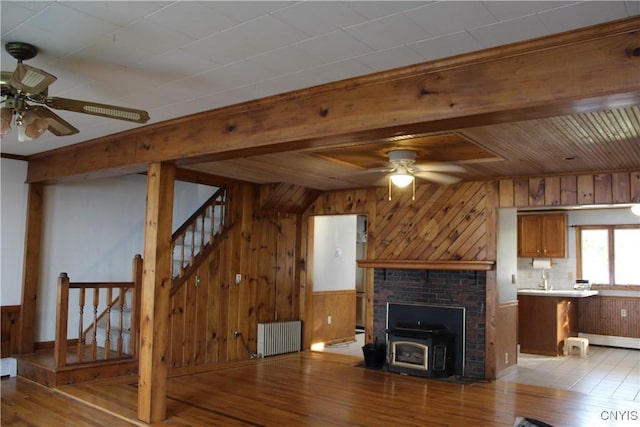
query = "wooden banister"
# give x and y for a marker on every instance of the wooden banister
(98, 351)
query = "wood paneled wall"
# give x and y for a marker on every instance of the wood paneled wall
(270, 251)
(445, 222)
(341, 306)
(211, 305)
(507, 337)
(571, 190)
(601, 315)
(10, 326)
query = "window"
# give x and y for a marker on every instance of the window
(608, 254)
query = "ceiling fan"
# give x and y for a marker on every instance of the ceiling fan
(403, 170)
(27, 85)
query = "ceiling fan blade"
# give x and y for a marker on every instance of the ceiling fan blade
(93, 108)
(30, 80)
(439, 178)
(386, 169)
(437, 167)
(57, 125)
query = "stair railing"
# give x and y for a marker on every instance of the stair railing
(97, 292)
(198, 232)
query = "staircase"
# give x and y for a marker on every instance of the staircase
(105, 346)
(193, 240)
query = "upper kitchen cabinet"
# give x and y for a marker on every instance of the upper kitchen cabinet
(542, 236)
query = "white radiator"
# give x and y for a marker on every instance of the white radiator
(279, 337)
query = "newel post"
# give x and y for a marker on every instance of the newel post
(62, 316)
(135, 307)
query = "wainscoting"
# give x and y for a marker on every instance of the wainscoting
(10, 321)
(334, 316)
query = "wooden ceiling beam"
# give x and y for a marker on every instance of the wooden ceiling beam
(586, 70)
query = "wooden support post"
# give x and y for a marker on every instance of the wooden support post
(156, 285)
(62, 318)
(31, 268)
(491, 292)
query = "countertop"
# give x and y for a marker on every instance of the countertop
(571, 293)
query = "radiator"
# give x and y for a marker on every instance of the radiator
(279, 337)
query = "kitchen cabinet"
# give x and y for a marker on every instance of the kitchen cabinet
(545, 322)
(542, 236)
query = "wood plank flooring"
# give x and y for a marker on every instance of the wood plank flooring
(312, 389)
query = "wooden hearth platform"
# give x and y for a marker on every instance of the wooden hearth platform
(40, 367)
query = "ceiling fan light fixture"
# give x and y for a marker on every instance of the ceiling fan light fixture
(6, 117)
(30, 126)
(401, 179)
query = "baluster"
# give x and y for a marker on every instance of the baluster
(107, 340)
(94, 344)
(193, 243)
(214, 221)
(173, 254)
(203, 230)
(121, 320)
(81, 340)
(184, 241)
(222, 210)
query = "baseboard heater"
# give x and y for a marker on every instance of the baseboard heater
(611, 341)
(279, 337)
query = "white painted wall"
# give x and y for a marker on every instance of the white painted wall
(507, 256)
(92, 230)
(13, 205)
(334, 252)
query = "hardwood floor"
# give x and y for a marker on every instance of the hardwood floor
(309, 389)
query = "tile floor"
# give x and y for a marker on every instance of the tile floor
(606, 371)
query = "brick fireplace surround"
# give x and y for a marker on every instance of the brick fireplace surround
(446, 288)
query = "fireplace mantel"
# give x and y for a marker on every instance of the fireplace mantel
(411, 264)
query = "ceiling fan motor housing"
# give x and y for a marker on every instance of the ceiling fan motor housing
(402, 157)
(21, 51)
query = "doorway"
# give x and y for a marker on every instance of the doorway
(339, 291)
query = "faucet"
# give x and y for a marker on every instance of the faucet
(545, 283)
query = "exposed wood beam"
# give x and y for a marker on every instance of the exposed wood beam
(196, 177)
(586, 70)
(156, 286)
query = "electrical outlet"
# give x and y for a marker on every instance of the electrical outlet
(623, 312)
(529, 274)
(570, 275)
(506, 358)
(329, 319)
(238, 278)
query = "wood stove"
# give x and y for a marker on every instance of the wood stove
(426, 350)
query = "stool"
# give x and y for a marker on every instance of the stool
(581, 343)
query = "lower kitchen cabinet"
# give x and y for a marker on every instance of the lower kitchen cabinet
(544, 322)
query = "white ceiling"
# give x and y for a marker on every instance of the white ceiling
(176, 58)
